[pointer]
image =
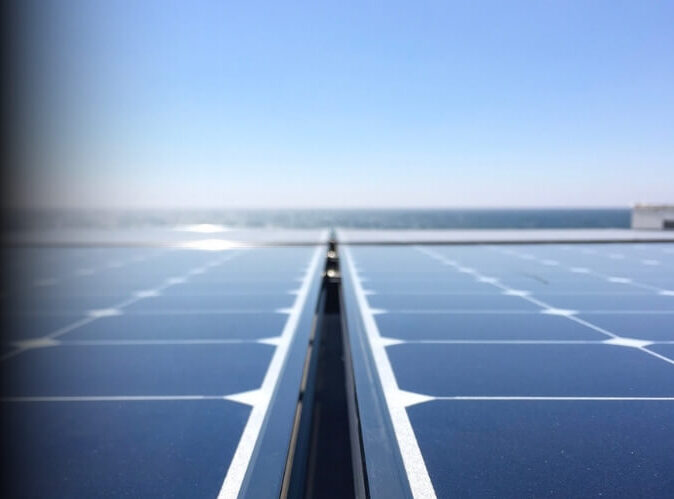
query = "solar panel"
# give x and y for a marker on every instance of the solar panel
(499, 370)
(153, 371)
(513, 371)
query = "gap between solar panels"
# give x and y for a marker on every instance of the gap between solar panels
(325, 458)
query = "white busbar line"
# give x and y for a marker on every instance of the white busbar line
(113, 398)
(415, 467)
(490, 292)
(190, 341)
(572, 399)
(520, 311)
(508, 342)
(528, 342)
(184, 398)
(231, 486)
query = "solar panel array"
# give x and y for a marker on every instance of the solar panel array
(480, 370)
(152, 372)
(514, 371)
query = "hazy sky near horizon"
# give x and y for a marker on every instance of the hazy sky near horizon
(349, 104)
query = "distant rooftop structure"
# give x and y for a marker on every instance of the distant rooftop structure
(653, 216)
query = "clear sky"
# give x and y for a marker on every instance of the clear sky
(340, 104)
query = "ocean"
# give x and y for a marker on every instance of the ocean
(544, 218)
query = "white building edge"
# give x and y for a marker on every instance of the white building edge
(653, 216)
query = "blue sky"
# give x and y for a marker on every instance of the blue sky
(363, 104)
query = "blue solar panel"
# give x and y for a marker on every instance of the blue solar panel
(480, 370)
(122, 448)
(97, 369)
(546, 448)
(158, 372)
(479, 326)
(225, 326)
(514, 371)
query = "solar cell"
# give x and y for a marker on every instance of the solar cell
(479, 326)
(139, 370)
(530, 370)
(199, 303)
(194, 327)
(405, 301)
(546, 448)
(550, 372)
(120, 448)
